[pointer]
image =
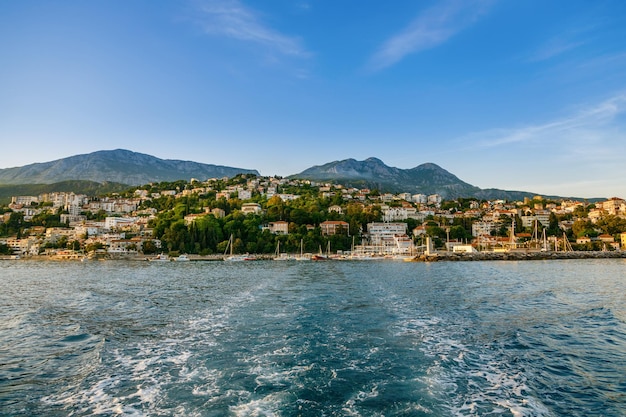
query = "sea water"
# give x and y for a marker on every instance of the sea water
(375, 338)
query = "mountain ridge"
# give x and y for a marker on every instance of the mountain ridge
(133, 168)
(118, 166)
(427, 178)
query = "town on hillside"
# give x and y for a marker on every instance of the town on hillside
(273, 217)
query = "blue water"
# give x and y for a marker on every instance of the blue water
(544, 338)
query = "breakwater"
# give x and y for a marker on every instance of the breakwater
(517, 256)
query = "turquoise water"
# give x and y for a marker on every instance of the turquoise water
(545, 338)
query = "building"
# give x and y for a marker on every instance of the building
(483, 228)
(24, 200)
(191, 218)
(542, 217)
(435, 199)
(380, 233)
(334, 227)
(420, 198)
(119, 222)
(391, 214)
(217, 212)
(251, 208)
(244, 194)
(279, 228)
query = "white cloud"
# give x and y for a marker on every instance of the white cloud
(232, 19)
(589, 123)
(430, 29)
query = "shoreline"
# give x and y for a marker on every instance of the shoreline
(517, 256)
(433, 257)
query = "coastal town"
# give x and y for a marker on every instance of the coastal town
(279, 218)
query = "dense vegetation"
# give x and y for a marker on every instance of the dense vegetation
(209, 233)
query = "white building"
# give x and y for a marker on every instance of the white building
(244, 194)
(379, 233)
(420, 198)
(24, 200)
(251, 208)
(435, 199)
(119, 222)
(483, 228)
(391, 214)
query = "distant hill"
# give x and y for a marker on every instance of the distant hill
(119, 166)
(427, 179)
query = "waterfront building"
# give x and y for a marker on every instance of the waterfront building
(379, 233)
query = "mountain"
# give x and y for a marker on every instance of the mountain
(118, 166)
(427, 179)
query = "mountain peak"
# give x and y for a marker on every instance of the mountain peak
(373, 173)
(374, 160)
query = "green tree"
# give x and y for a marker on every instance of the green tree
(149, 247)
(5, 249)
(611, 224)
(553, 226)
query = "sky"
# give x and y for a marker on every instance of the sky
(519, 95)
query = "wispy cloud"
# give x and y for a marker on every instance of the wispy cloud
(590, 119)
(430, 29)
(562, 43)
(230, 18)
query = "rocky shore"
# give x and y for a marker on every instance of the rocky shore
(433, 257)
(517, 256)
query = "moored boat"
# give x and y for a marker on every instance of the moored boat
(160, 258)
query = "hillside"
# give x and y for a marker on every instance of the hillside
(119, 166)
(79, 187)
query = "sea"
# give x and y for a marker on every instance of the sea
(331, 338)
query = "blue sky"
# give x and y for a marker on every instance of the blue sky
(520, 95)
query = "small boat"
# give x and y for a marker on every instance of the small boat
(321, 256)
(160, 258)
(282, 256)
(182, 258)
(303, 256)
(235, 258)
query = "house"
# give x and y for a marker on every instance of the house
(279, 228)
(419, 230)
(191, 218)
(218, 213)
(606, 238)
(335, 209)
(333, 227)
(250, 208)
(244, 194)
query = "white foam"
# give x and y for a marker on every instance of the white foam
(488, 384)
(268, 406)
